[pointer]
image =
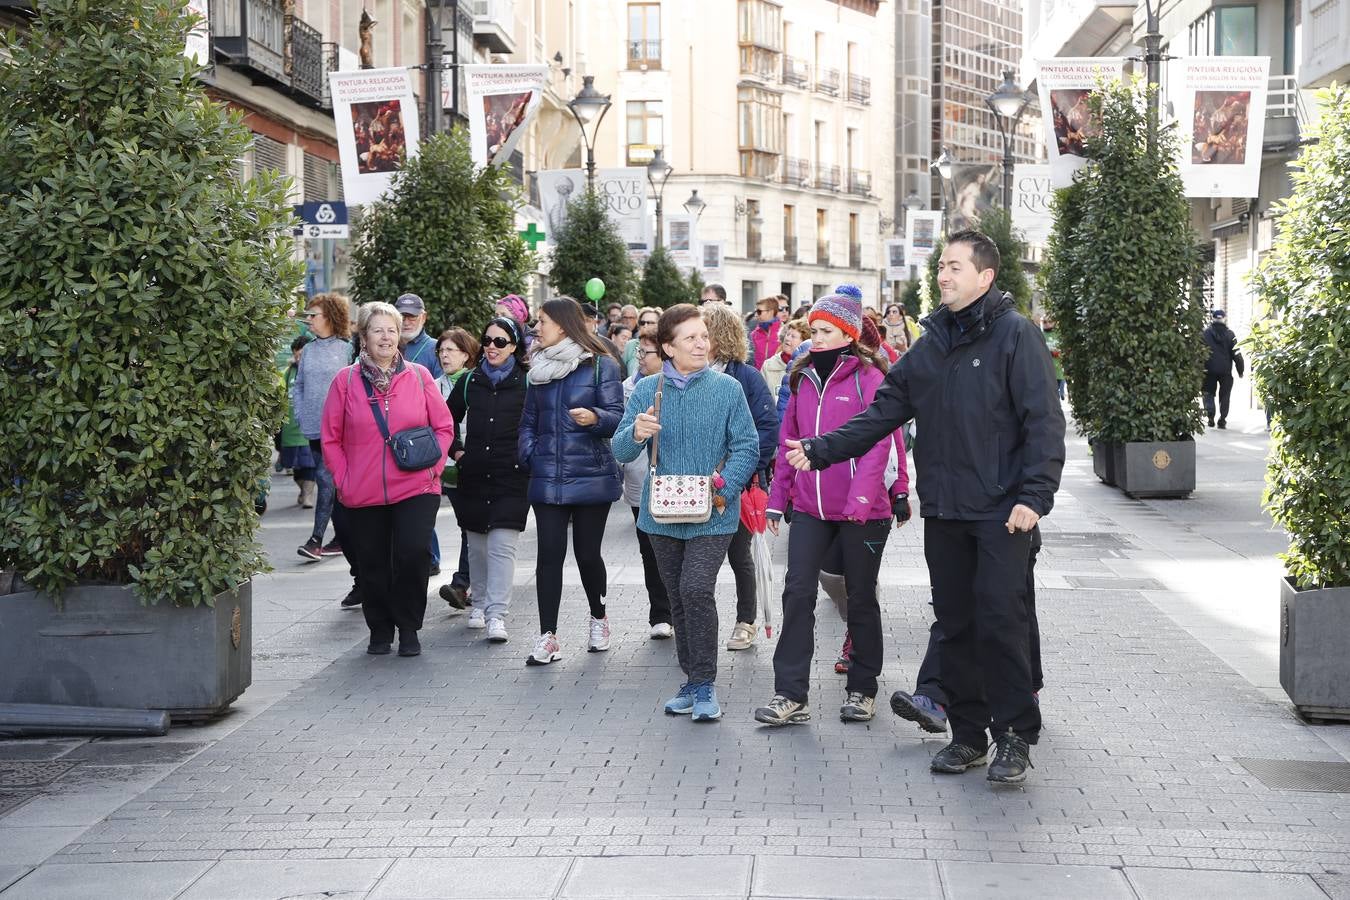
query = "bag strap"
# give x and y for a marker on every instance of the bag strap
(375, 408)
(656, 408)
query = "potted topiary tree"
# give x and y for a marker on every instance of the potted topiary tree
(588, 245)
(1302, 374)
(1119, 271)
(662, 284)
(142, 300)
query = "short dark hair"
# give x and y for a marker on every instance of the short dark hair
(717, 289)
(983, 251)
(672, 319)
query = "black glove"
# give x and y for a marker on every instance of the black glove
(900, 509)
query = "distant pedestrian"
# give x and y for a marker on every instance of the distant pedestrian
(457, 350)
(728, 356)
(387, 513)
(634, 478)
(628, 318)
(513, 306)
(327, 317)
(648, 315)
(1051, 334)
(491, 502)
(1223, 356)
(574, 404)
(703, 427)
(292, 445)
(848, 502)
(764, 337)
(775, 367)
(712, 293)
(980, 385)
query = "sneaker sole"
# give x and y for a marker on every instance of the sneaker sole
(917, 716)
(853, 717)
(536, 661)
(475, 625)
(312, 557)
(662, 637)
(704, 717)
(594, 649)
(740, 647)
(1006, 779)
(797, 718)
(497, 639)
(679, 712)
(952, 770)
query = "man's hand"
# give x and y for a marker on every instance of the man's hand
(900, 509)
(796, 456)
(1021, 519)
(645, 425)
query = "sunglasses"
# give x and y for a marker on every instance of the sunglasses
(647, 322)
(500, 343)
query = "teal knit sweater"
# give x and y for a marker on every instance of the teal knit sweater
(700, 426)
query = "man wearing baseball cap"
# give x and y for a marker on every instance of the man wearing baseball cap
(417, 345)
(1223, 356)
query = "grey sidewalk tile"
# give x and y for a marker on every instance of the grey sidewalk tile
(1020, 881)
(32, 844)
(1165, 884)
(11, 874)
(1336, 886)
(241, 879)
(144, 881)
(594, 878)
(526, 879)
(845, 879)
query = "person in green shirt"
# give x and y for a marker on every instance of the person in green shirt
(1052, 341)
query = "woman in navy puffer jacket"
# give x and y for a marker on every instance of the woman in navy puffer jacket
(574, 403)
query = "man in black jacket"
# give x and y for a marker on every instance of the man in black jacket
(1223, 355)
(980, 385)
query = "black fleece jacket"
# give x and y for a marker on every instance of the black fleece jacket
(989, 428)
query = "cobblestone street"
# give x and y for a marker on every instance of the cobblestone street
(463, 773)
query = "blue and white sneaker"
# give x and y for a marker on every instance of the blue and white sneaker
(706, 707)
(682, 704)
(929, 716)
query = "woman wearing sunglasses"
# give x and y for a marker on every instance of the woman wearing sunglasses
(491, 500)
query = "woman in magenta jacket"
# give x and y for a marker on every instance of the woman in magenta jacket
(385, 514)
(848, 501)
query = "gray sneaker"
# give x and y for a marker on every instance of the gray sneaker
(858, 707)
(782, 711)
(955, 758)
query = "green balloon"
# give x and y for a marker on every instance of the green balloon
(595, 289)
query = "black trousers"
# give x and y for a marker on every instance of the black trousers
(743, 567)
(657, 598)
(809, 542)
(588, 533)
(979, 576)
(930, 674)
(389, 544)
(1224, 383)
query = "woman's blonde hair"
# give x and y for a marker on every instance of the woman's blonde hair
(375, 308)
(726, 331)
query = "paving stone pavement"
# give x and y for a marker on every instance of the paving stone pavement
(462, 773)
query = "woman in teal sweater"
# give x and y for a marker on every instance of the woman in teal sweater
(705, 428)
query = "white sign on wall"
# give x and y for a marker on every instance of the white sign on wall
(624, 192)
(1031, 197)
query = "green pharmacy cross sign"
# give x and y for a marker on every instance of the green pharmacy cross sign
(532, 236)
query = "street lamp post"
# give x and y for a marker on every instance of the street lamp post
(943, 165)
(1007, 104)
(436, 10)
(658, 173)
(695, 205)
(1153, 65)
(589, 106)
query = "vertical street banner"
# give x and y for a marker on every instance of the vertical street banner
(680, 240)
(1220, 104)
(623, 190)
(502, 101)
(1064, 85)
(976, 188)
(896, 269)
(1031, 202)
(375, 112)
(710, 260)
(921, 235)
(198, 47)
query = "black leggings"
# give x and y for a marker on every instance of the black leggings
(588, 532)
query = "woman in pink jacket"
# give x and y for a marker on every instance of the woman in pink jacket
(848, 502)
(386, 514)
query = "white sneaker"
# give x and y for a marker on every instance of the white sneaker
(496, 630)
(662, 631)
(599, 635)
(742, 636)
(476, 619)
(546, 650)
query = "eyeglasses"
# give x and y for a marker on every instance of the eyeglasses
(500, 343)
(643, 354)
(312, 315)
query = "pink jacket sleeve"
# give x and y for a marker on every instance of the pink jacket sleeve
(870, 471)
(332, 426)
(784, 475)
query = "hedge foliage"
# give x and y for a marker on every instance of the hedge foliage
(446, 232)
(143, 292)
(1301, 354)
(1012, 277)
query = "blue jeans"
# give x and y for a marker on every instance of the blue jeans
(326, 494)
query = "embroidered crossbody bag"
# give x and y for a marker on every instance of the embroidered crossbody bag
(675, 499)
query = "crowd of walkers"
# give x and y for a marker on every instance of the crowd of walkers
(684, 413)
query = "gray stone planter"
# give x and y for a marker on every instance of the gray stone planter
(1104, 463)
(1314, 662)
(103, 648)
(1148, 469)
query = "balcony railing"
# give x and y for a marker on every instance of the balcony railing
(827, 81)
(644, 54)
(790, 248)
(822, 252)
(494, 24)
(859, 89)
(855, 256)
(827, 177)
(796, 171)
(252, 34)
(330, 64)
(796, 72)
(305, 62)
(859, 182)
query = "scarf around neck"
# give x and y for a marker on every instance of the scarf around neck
(559, 361)
(380, 379)
(674, 377)
(497, 374)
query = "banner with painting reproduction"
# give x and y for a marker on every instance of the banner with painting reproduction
(375, 112)
(1064, 85)
(502, 101)
(1220, 105)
